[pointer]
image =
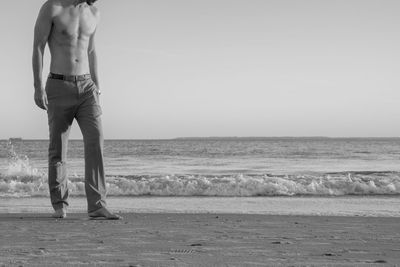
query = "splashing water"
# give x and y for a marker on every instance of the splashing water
(19, 165)
(20, 177)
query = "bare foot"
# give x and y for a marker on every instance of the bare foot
(104, 214)
(59, 214)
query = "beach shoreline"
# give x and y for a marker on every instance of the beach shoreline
(199, 239)
(364, 206)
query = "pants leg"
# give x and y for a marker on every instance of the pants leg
(60, 117)
(89, 120)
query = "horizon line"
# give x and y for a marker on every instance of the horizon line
(223, 137)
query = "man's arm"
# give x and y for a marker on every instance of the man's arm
(93, 60)
(42, 32)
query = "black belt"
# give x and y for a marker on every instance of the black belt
(71, 78)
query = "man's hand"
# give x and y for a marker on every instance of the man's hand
(41, 98)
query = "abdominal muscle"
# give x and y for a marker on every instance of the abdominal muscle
(69, 55)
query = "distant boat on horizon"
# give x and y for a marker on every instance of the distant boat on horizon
(15, 139)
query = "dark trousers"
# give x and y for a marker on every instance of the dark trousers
(69, 100)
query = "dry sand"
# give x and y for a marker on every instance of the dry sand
(199, 240)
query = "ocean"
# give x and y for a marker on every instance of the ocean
(208, 168)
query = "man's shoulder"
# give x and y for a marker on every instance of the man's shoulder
(51, 6)
(95, 11)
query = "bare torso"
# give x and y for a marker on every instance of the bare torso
(70, 37)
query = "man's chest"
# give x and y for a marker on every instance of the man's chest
(75, 23)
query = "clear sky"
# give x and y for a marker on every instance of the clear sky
(224, 68)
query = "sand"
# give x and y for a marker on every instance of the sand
(166, 239)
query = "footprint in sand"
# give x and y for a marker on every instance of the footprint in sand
(282, 242)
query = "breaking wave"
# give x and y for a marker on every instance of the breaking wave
(20, 179)
(265, 185)
(237, 185)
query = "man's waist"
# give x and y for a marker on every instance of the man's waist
(71, 78)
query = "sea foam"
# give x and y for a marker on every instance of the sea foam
(236, 185)
(21, 179)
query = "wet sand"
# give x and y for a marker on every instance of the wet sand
(164, 239)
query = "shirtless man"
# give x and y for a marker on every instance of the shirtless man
(71, 92)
